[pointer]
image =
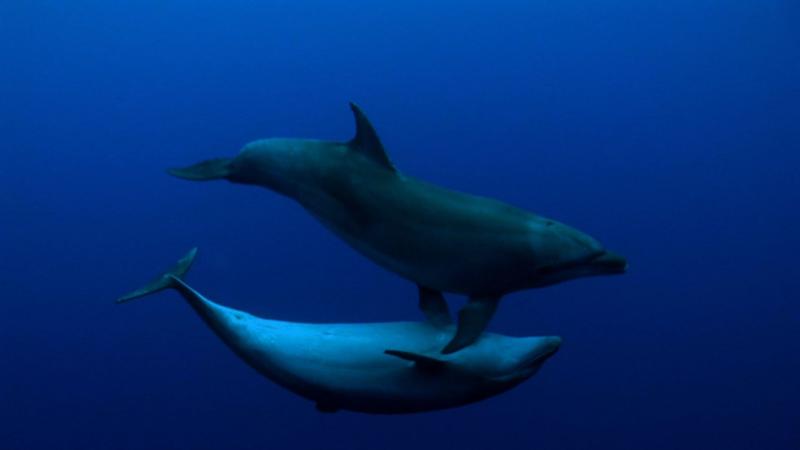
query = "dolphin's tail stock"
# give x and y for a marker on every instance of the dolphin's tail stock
(169, 279)
(210, 169)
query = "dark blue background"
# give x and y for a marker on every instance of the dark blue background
(669, 130)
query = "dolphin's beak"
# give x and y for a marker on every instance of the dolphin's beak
(609, 262)
(211, 169)
(544, 351)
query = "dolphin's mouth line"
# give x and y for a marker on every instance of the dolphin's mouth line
(596, 255)
(544, 356)
(566, 265)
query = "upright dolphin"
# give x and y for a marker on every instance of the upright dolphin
(440, 239)
(382, 368)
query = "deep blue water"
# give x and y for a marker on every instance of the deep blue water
(669, 130)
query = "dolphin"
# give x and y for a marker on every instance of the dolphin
(378, 368)
(443, 240)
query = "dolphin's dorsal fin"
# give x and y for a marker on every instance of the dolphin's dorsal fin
(434, 306)
(366, 140)
(420, 361)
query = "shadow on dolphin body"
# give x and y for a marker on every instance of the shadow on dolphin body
(380, 368)
(442, 240)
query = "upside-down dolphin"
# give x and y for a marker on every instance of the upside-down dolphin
(381, 368)
(440, 239)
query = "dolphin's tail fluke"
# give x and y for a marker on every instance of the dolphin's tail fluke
(166, 280)
(210, 169)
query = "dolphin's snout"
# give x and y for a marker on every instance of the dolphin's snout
(548, 347)
(210, 169)
(551, 346)
(610, 262)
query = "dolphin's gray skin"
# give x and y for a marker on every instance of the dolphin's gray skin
(440, 239)
(381, 368)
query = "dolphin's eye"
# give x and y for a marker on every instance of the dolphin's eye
(549, 223)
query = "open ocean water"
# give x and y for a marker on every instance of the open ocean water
(668, 130)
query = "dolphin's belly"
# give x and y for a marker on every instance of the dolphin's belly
(471, 265)
(404, 390)
(387, 386)
(452, 242)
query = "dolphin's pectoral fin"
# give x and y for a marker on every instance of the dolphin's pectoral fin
(420, 361)
(366, 140)
(324, 407)
(211, 169)
(434, 306)
(472, 320)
